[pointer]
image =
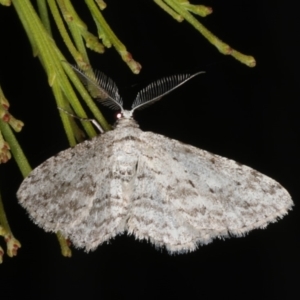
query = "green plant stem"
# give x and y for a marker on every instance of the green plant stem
(62, 30)
(15, 148)
(5, 2)
(12, 243)
(220, 45)
(43, 12)
(168, 10)
(51, 59)
(3, 219)
(64, 245)
(118, 45)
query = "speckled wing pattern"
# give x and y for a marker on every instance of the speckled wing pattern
(185, 196)
(172, 194)
(61, 192)
(109, 213)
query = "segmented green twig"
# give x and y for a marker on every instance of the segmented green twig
(12, 244)
(182, 10)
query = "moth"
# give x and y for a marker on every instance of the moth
(156, 188)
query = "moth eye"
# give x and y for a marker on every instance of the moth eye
(119, 116)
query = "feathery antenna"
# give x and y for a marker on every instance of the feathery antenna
(156, 90)
(101, 87)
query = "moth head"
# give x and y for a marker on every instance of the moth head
(125, 119)
(126, 114)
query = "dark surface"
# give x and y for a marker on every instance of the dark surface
(249, 115)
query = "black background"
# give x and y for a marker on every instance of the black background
(248, 114)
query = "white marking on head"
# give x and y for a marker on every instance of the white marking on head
(126, 114)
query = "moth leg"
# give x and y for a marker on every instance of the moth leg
(96, 124)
